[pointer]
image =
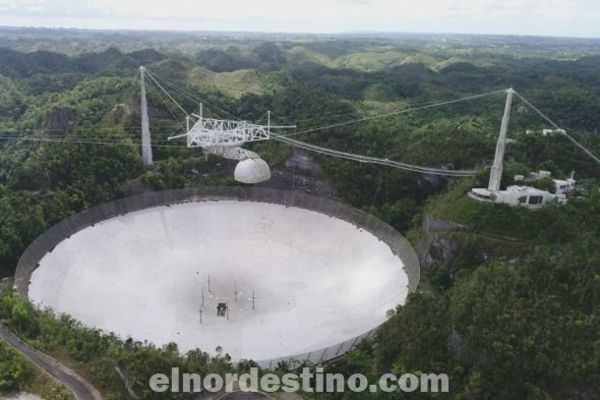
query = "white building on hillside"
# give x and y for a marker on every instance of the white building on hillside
(515, 195)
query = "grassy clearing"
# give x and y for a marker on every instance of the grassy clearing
(234, 84)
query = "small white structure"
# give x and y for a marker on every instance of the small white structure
(561, 186)
(564, 186)
(550, 132)
(515, 195)
(545, 132)
(252, 170)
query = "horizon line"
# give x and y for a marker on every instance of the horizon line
(295, 33)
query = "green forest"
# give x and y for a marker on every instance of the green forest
(509, 298)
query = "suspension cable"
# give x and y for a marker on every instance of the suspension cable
(371, 160)
(403, 111)
(167, 93)
(563, 131)
(193, 97)
(82, 141)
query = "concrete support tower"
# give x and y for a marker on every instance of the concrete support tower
(146, 139)
(496, 172)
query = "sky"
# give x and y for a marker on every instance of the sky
(577, 18)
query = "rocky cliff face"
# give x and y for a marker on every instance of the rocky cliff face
(60, 119)
(301, 172)
(118, 114)
(455, 246)
(433, 248)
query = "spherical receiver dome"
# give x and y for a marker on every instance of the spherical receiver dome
(252, 170)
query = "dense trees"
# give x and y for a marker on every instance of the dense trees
(13, 369)
(519, 322)
(21, 220)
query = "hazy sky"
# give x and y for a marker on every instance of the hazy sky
(536, 17)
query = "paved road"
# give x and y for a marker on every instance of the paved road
(79, 386)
